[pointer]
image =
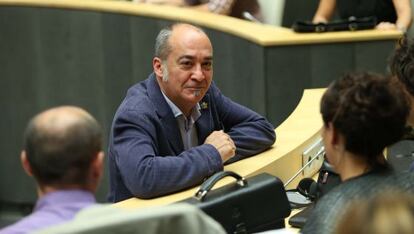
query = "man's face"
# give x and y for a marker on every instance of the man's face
(189, 67)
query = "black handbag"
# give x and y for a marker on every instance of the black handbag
(255, 204)
(351, 24)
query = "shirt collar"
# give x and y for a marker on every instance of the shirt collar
(195, 112)
(65, 196)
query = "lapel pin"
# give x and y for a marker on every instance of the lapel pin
(204, 105)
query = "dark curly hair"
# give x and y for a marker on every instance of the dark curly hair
(402, 63)
(368, 110)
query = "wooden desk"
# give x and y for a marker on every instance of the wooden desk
(295, 134)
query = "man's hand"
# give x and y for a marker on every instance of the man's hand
(223, 143)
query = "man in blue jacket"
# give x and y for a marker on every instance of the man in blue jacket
(175, 128)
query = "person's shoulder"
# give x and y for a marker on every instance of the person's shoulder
(356, 187)
(403, 175)
(332, 198)
(369, 185)
(33, 222)
(137, 100)
(213, 89)
(403, 180)
(323, 215)
(17, 227)
(365, 184)
(331, 206)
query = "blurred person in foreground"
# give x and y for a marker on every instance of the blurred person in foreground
(63, 152)
(391, 212)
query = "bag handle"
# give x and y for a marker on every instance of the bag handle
(210, 182)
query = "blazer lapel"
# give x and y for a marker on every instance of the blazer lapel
(205, 124)
(173, 133)
(166, 116)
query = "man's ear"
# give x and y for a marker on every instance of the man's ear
(25, 163)
(157, 66)
(97, 165)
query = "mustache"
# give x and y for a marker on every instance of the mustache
(195, 86)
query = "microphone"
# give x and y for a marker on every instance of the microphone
(250, 17)
(321, 151)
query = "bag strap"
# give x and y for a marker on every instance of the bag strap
(210, 182)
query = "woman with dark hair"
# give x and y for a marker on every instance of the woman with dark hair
(363, 113)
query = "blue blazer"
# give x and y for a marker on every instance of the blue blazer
(146, 153)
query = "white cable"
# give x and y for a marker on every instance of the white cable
(321, 151)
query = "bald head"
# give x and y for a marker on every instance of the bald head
(60, 143)
(163, 44)
(59, 119)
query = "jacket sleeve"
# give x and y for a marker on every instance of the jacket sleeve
(251, 132)
(137, 140)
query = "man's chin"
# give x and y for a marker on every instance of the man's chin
(194, 99)
(195, 94)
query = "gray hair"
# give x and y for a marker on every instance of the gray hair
(162, 47)
(165, 74)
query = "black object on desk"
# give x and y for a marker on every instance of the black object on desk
(351, 24)
(255, 204)
(299, 219)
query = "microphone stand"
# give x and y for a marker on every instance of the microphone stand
(321, 151)
(246, 15)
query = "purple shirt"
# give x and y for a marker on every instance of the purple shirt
(51, 209)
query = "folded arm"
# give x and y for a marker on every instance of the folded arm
(251, 132)
(325, 10)
(404, 15)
